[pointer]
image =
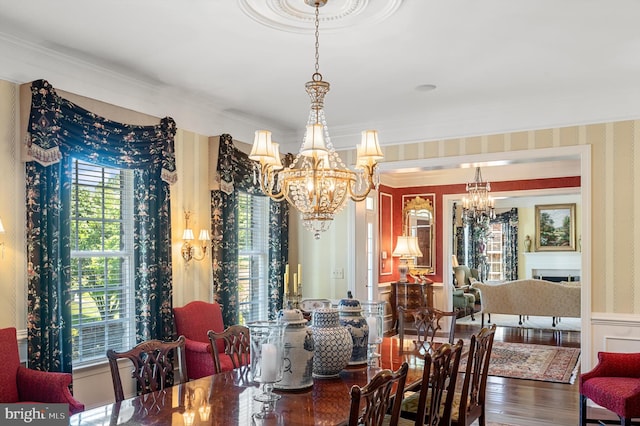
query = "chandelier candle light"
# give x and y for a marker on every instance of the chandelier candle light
(477, 203)
(317, 182)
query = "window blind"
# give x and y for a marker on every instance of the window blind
(101, 261)
(253, 250)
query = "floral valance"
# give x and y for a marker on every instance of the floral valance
(59, 127)
(235, 169)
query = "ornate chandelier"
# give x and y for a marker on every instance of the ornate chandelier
(477, 203)
(316, 182)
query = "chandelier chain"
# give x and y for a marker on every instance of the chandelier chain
(317, 41)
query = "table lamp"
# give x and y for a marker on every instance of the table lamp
(406, 248)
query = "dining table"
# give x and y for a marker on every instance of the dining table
(227, 398)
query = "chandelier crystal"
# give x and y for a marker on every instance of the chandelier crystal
(317, 182)
(477, 204)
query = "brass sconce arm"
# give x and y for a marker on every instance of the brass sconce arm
(190, 251)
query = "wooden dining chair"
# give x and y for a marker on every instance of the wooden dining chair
(470, 401)
(429, 324)
(377, 396)
(438, 381)
(237, 348)
(153, 366)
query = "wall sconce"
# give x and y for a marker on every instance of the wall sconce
(189, 251)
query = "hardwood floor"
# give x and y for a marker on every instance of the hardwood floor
(530, 402)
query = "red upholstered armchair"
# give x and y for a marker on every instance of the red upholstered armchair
(614, 384)
(21, 384)
(193, 321)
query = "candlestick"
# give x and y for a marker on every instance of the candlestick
(295, 283)
(299, 272)
(286, 283)
(267, 342)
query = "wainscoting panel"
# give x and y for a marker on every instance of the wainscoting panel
(613, 333)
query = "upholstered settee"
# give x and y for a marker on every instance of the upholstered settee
(530, 297)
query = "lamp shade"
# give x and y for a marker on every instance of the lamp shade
(454, 260)
(414, 247)
(262, 148)
(1, 227)
(187, 234)
(204, 235)
(370, 146)
(314, 140)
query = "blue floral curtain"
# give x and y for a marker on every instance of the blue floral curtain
(237, 174)
(58, 130)
(509, 222)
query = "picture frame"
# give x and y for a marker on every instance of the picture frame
(555, 227)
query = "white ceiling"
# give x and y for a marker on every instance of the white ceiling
(235, 66)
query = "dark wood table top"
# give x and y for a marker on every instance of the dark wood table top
(227, 398)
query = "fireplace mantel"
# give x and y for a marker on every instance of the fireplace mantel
(560, 263)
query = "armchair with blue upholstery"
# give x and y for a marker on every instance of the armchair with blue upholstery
(465, 302)
(465, 297)
(22, 384)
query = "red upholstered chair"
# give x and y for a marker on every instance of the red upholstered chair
(21, 384)
(614, 384)
(193, 321)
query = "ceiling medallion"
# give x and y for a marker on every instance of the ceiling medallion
(294, 15)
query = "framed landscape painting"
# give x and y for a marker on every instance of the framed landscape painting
(556, 227)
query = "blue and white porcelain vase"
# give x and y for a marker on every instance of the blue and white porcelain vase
(298, 351)
(332, 343)
(351, 318)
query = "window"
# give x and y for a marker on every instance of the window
(101, 261)
(494, 252)
(370, 216)
(253, 257)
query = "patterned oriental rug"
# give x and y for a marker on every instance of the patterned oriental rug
(533, 362)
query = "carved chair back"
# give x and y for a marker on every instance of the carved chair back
(152, 366)
(237, 345)
(377, 397)
(472, 396)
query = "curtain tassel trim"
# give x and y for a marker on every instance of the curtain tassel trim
(44, 156)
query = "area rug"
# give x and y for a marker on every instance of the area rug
(541, 323)
(532, 362)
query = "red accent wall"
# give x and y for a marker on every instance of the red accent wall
(440, 191)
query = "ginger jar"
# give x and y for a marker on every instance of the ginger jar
(332, 343)
(298, 351)
(351, 318)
